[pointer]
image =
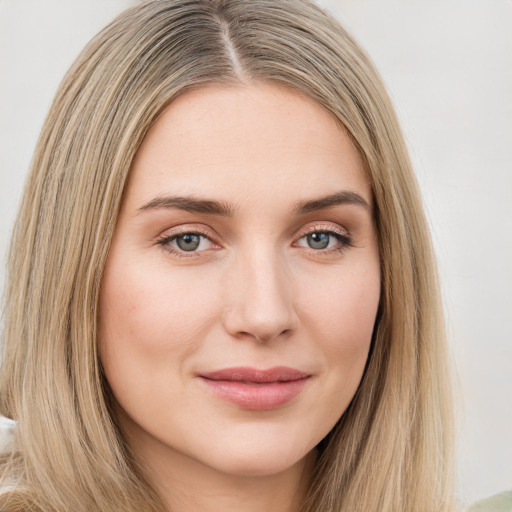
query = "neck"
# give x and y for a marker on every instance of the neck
(184, 484)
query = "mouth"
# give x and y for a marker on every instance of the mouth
(254, 389)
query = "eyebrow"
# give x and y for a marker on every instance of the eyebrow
(224, 209)
(339, 198)
(190, 204)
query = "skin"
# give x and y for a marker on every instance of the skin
(254, 293)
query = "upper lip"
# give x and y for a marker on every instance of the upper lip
(246, 374)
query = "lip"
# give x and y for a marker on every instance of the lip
(254, 389)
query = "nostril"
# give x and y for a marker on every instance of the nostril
(261, 313)
(262, 339)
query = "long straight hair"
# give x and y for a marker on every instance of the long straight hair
(391, 449)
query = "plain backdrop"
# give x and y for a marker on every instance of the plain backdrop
(448, 68)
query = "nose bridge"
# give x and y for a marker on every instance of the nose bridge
(261, 305)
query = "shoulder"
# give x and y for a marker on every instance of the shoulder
(6, 446)
(499, 503)
(6, 433)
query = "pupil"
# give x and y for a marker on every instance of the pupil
(318, 240)
(188, 242)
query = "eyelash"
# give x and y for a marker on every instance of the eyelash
(166, 239)
(344, 241)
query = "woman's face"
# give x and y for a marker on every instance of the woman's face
(241, 289)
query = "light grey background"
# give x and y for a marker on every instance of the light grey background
(448, 67)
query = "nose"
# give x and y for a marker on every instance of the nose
(260, 305)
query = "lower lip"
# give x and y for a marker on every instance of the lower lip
(256, 397)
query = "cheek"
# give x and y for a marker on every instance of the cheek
(345, 307)
(137, 304)
(357, 306)
(150, 323)
(341, 318)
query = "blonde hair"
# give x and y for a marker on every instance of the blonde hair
(391, 449)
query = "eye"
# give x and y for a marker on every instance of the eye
(324, 240)
(186, 242)
(318, 240)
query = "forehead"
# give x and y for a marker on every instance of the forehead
(246, 139)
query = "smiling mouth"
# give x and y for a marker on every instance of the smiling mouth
(253, 389)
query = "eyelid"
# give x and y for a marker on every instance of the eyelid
(170, 234)
(343, 235)
(323, 228)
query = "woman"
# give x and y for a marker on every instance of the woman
(221, 290)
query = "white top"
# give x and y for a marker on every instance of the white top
(6, 433)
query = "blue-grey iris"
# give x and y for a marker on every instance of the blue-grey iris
(318, 240)
(189, 242)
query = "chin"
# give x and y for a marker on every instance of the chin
(261, 462)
